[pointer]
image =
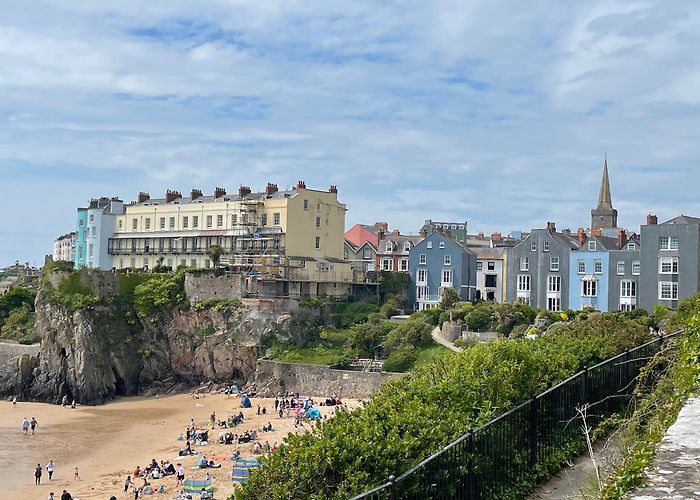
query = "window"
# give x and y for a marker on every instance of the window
(185, 223)
(620, 267)
(490, 280)
(134, 224)
(92, 218)
(220, 220)
(631, 246)
(554, 264)
(668, 243)
(82, 223)
(598, 266)
(524, 264)
(172, 223)
(407, 246)
(234, 219)
(422, 259)
(366, 253)
(121, 224)
(429, 244)
(533, 246)
(148, 223)
(448, 260)
(668, 290)
(590, 288)
(523, 282)
(554, 284)
(668, 265)
(635, 267)
(207, 263)
(545, 246)
(133, 262)
(422, 276)
(209, 220)
(183, 262)
(170, 263)
(90, 249)
(592, 246)
(389, 247)
(162, 222)
(491, 265)
(581, 266)
(306, 204)
(318, 222)
(387, 265)
(421, 292)
(276, 219)
(193, 262)
(553, 304)
(628, 289)
(195, 221)
(244, 218)
(317, 242)
(318, 206)
(446, 277)
(403, 265)
(441, 244)
(479, 266)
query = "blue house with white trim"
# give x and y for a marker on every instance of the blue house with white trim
(440, 262)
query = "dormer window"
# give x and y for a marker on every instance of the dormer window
(631, 246)
(389, 246)
(407, 246)
(592, 246)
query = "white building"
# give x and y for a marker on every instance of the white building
(490, 263)
(64, 247)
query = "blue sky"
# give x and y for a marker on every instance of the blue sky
(480, 111)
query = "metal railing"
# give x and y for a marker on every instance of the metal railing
(489, 461)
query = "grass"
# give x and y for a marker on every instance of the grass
(316, 355)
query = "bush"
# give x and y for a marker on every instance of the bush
(400, 360)
(19, 326)
(350, 313)
(159, 292)
(414, 333)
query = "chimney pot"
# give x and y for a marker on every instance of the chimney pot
(581, 236)
(196, 193)
(301, 185)
(219, 192)
(496, 236)
(333, 189)
(384, 226)
(621, 238)
(270, 189)
(143, 197)
(551, 227)
(652, 220)
(172, 195)
(243, 191)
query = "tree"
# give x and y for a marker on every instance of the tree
(370, 335)
(409, 334)
(449, 299)
(215, 252)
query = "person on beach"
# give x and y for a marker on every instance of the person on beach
(76, 475)
(25, 426)
(127, 483)
(66, 496)
(49, 468)
(33, 424)
(51, 496)
(37, 475)
(14, 402)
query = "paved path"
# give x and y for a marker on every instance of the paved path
(437, 337)
(676, 470)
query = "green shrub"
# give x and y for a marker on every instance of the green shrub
(400, 360)
(414, 333)
(160, 291)
(19, 325)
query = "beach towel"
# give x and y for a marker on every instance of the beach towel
(219, 457)
(241, 469)
(196, 485)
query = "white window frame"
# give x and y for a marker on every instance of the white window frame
(421, 276)
(589, 288)
(671, 287)
(429, 244)
(628, 289)
(490, 266)
(318, 222)
(441, 244)
(479, 266)
(449, 274)
(554, 263)
(422, 259)
(403, 265)
(620, 267)
(631, 246)
(317, 242)
(447, 260)
(389, 247)
(668, 242)
(554, 304)
(598, 266)
(533, 246)
(276, 219)
(524, 264)
(636, 268)
(407, 246)
(545, 246)
(524, 283)
(422, 292)
(581, 266)
(554, 283)
(387, 264)
(592, 246)
(670, 262)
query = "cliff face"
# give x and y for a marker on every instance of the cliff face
(94, 354)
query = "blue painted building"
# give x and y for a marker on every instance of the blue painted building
(81, 238)
(440, 262)
(94, 227)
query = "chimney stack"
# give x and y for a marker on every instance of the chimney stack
(301, 185)
(395, 232)
(424, 232)
(551, 227)
(143, 197)
(219, 192)
(172, 195)
(383, 226)
(333, 189)
(270, 189)
(196, 193)
(566, 232)
(652, 220)
(621, 238)
(495, 236)
(581, 236)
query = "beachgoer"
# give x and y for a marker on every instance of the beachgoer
(180, 471)
(76, 475)
(25, 426)
(14, 402)
(73, 405)
(52, 498)
(137, 471)
(277, 404)
(127, 483)
(37, 475)
(49, 468)
(33, 424)
(66, 496)
(258, 409)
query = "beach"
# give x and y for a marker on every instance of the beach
(107, 442)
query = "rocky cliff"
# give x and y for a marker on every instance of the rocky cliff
(95, 353)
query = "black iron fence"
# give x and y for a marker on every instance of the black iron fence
(489, 462)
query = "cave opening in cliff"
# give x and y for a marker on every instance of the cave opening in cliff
(63, 352)
(238, 377)
(119, 384)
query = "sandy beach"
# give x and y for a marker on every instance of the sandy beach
(107, 442)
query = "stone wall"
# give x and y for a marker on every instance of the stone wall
(102, 283)
(272, 377)
(209, 287)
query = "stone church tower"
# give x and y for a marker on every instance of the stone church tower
(604, 216)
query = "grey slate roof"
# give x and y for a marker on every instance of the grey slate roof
(683, 219)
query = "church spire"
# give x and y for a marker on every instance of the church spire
(604, 197)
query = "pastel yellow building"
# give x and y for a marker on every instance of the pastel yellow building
(289, 241)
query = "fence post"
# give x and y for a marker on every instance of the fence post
(392, 487)
(471, 480)
(532, 438)
(584, 386)
(627, 368)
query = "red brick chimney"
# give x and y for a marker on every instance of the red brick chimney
(243, 191)
(596, 232)
(423, 232)
(551, 227)
(395, 232)
(300, 185)
(652, 220)
(196, 193)
(495, 236)
(143, 197)
(172, 195)
(581, 236)
(219, 192)
(621, 238)
(333, 189)
(384, 226)
(271, 189)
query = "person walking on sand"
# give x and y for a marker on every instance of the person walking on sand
(66, 496)
(14, 402)
(37, 475)
(180, 471)
(25, 426)
(76, 475)
(33, 424)
(51, 496)
(127, 483)
(49, 468)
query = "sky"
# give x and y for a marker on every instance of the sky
(477, 111)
